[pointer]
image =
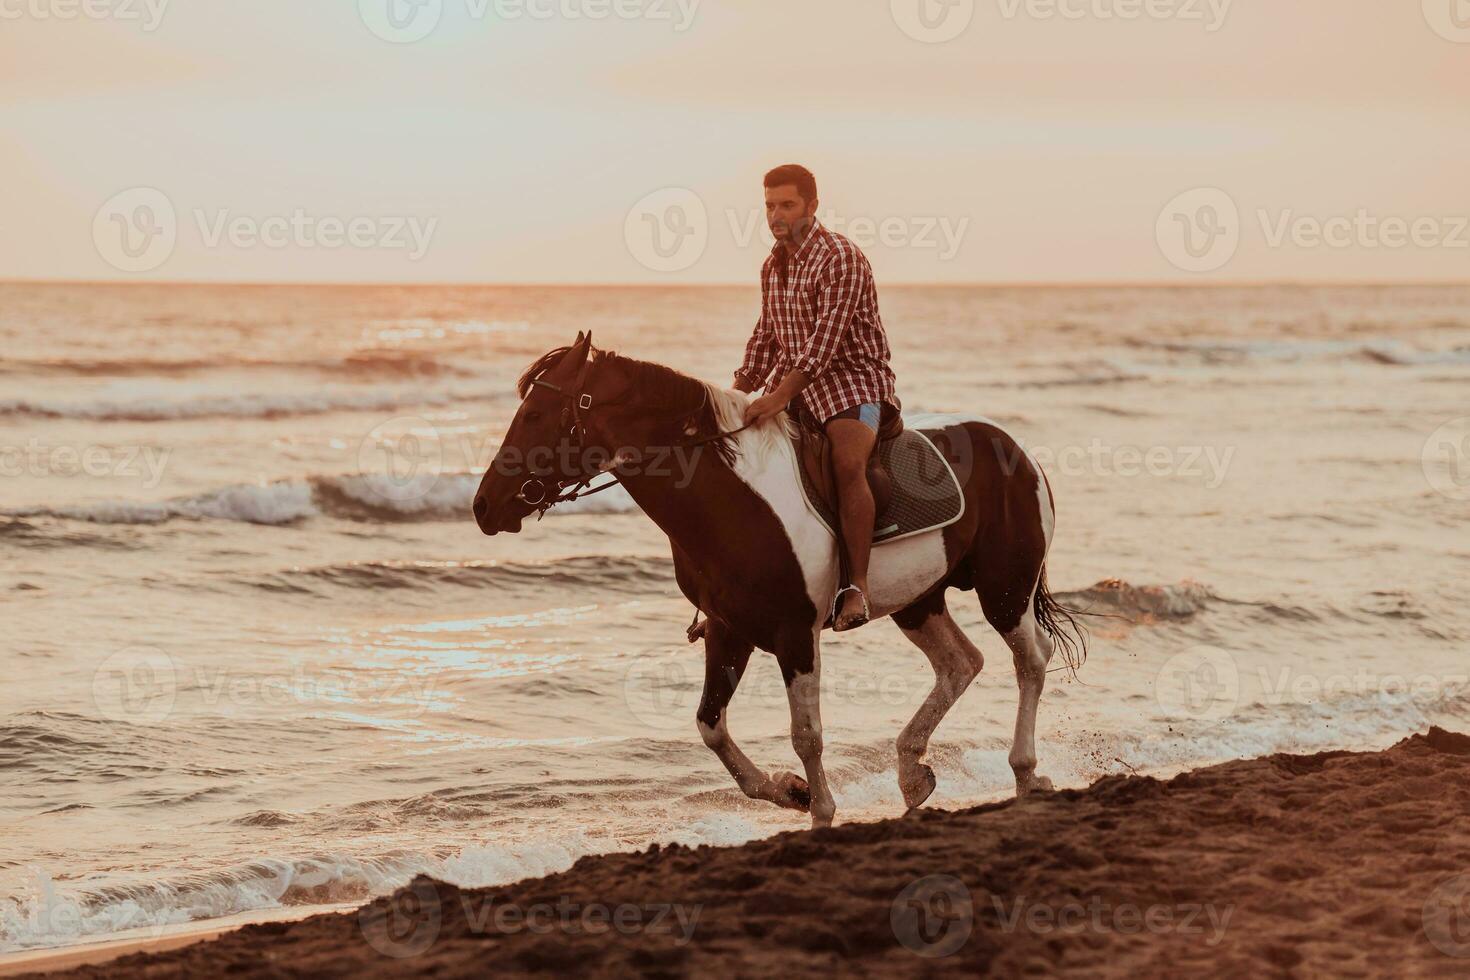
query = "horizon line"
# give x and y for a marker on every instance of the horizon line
(903, 284)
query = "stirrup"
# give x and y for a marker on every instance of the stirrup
(837, 604)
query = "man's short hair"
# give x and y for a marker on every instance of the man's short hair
(794, 173)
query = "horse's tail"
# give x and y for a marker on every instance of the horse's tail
(1060, 623)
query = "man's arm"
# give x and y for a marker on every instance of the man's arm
(760, 357)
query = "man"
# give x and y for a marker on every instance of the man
(820, 340)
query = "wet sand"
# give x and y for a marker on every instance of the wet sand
(1339, 863)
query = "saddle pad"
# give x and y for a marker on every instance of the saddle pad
(926, 493)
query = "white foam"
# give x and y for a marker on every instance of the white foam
(447, 497)
(272, 503)
(257, 405)
(53, 915)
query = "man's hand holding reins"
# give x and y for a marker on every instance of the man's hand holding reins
(770, 405)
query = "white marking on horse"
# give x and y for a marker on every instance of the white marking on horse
(900, 571)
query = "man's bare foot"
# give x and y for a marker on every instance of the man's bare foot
(853, 611)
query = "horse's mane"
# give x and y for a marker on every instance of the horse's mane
(676, 397)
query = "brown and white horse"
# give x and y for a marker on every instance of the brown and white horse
(749, 553)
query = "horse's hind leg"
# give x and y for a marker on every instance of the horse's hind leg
(1031, 648)
(725, 659)
(956, 662)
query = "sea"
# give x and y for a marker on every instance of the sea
(256, 656)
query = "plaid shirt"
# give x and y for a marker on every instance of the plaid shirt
(819, 316)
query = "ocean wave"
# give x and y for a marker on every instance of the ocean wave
(1381, 351)
(56, 914)
(388, 363)
(1141, 603)
(1353, 719)
(582, 571)
(33, 536)
(261, 406)
(363, 498)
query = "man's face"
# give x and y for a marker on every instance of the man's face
(787, 214)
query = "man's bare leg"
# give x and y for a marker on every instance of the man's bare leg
(852, 447)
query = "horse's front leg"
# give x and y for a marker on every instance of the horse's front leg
(725, 660)
(800, 658)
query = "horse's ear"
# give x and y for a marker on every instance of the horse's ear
(579, 353)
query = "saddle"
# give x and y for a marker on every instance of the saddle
(914, 486)
(814, 450)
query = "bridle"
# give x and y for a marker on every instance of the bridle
(577, 404)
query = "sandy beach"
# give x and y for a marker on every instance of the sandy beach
(1338, 863)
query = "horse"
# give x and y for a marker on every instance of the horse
(752, 557)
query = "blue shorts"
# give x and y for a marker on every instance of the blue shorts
(867, 413)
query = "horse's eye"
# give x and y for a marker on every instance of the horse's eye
(533, 416)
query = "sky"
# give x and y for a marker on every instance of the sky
(624, 141)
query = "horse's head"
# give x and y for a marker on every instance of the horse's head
(585, 411)
(540, 450)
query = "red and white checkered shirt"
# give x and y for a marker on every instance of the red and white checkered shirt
(819, 316)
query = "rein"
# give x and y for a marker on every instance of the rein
(576, 406)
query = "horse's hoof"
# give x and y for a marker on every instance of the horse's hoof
(1037, 784)
(793, 793)
(920, 790)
